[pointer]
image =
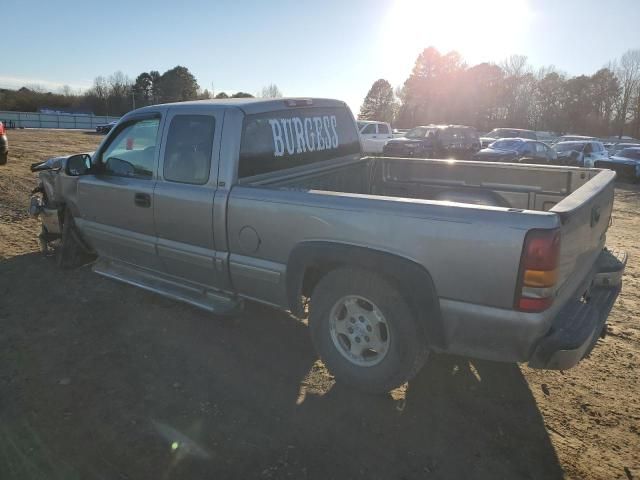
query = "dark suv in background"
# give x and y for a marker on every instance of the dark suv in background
(4, 145)
(435, 141)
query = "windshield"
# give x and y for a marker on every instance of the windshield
(419, 132)
(516, 145)
(568, 147)
(633, 153)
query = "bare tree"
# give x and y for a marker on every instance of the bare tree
(515, 66)
(100, 88)
(270, 91)
(518, 89)
(628, 73)
(36, 87)
(120, 92)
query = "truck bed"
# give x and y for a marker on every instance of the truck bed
(526, 187)
(464, 222)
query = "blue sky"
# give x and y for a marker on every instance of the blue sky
(331, 48)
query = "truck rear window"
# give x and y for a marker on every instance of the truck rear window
(285, 139)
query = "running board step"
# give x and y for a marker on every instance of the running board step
(210, 300)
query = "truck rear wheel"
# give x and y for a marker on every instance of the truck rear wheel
(365, 331)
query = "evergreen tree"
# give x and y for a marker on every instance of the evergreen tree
(380, 103)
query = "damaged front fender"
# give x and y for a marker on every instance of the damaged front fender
(55, 192)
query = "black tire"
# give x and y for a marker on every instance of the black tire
(407, 349)
(70, 253)
(3, 158)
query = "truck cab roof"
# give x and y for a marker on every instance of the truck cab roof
(247, 105)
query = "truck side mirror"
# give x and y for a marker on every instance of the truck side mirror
(78, 165)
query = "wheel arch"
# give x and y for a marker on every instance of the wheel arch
(310, 261)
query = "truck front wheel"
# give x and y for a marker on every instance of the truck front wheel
(71, 253)
(365, 331)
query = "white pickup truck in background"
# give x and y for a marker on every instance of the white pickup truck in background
(374, 135)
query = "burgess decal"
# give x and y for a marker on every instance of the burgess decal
(303, 134)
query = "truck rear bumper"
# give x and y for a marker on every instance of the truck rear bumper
(551, 340)
(575, 331)
(577, 327)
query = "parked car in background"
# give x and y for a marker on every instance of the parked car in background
(520, 150)
(435, 141)
(574, 138)
(373, 135)
(580, 153)
(498, 133)
(399, 132)
(546, 137)
(616, 148)
(4, 145)
(106, 127)
(626, 163)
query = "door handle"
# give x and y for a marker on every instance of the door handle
(142, 200)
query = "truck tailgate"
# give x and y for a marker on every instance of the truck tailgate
(584, 219)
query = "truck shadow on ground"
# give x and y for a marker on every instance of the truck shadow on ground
(102, 380)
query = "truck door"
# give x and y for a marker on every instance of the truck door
(384, 135)
(368, 134)
(116, 203)
(183, 208)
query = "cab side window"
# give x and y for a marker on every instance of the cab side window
(369, 129)
(132, 151)
(187, 157)
(383, 129)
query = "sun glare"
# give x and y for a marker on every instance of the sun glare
(486, 30)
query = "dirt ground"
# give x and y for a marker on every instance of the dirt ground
(100, 380)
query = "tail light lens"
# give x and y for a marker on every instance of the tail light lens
(1, 129)
(538, 270)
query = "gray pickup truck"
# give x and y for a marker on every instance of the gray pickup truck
(218, 202)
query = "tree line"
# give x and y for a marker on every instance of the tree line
(442, 88)
(117, 94)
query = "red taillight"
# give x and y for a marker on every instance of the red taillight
(1, 129)
(541, 249)
(534, 304)
(538, 270)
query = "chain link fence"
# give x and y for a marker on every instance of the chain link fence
(53, 120)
